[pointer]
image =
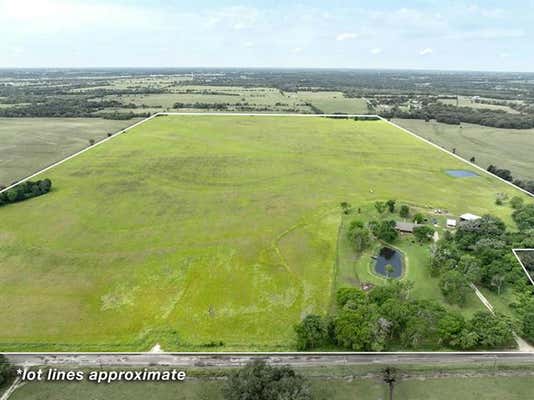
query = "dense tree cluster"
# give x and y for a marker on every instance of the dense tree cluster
(480, 252)
(25, 190)
(386, 318)
(524, 217)
(260, 381)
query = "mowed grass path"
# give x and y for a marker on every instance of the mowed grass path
(190, 230)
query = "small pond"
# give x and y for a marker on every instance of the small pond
(388, 256)
(460, 173)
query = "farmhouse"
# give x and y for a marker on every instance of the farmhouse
(469, 217)
(405, 227)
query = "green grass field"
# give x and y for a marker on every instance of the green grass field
(506, 148)
(29, 144)
(334, 102)
(192, 230)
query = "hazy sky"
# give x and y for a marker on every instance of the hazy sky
(474, 35)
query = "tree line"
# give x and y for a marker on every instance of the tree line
(24, 191)
(506, 174)
(387, 318)
(453, 115)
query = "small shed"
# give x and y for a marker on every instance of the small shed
(405, 227)
(451, 223)
(469, 217)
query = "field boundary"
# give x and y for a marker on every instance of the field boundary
(515, 251)
(456, 156)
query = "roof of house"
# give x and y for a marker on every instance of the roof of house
(451, 222)
(469, 217)
(405, 226)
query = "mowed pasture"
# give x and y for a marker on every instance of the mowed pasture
(506, 148)
(29, 144)
(207, 232)
(333, 102)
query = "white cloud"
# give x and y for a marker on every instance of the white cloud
(426, 51)
(376, 50)
(346, 36)
(297, 50)
(248, 44)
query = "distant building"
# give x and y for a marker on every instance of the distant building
(451, 223)
(469, 217)
(405, 227)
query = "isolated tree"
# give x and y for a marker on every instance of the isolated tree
(91, 142)
(418, 218)
(389, 270)
(391, 205)
(346, 207)
(454, 287)
(260, 381)
(312, 332)
(380, 206)
(516, 202)
(389, 375)
(423, 233)
(384, 230)
(359, 235)
(472, 159)
(404, 211)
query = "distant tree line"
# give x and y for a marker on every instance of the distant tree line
(452, 115)
(66, 107)
(24, 191)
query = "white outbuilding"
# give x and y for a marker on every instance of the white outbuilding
(469, 217)
(451, 223)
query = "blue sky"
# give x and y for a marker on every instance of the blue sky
(457, 35)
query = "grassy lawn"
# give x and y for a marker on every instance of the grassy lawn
(29, 144)
(354, 268)
(193, 230)
(506, 148)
